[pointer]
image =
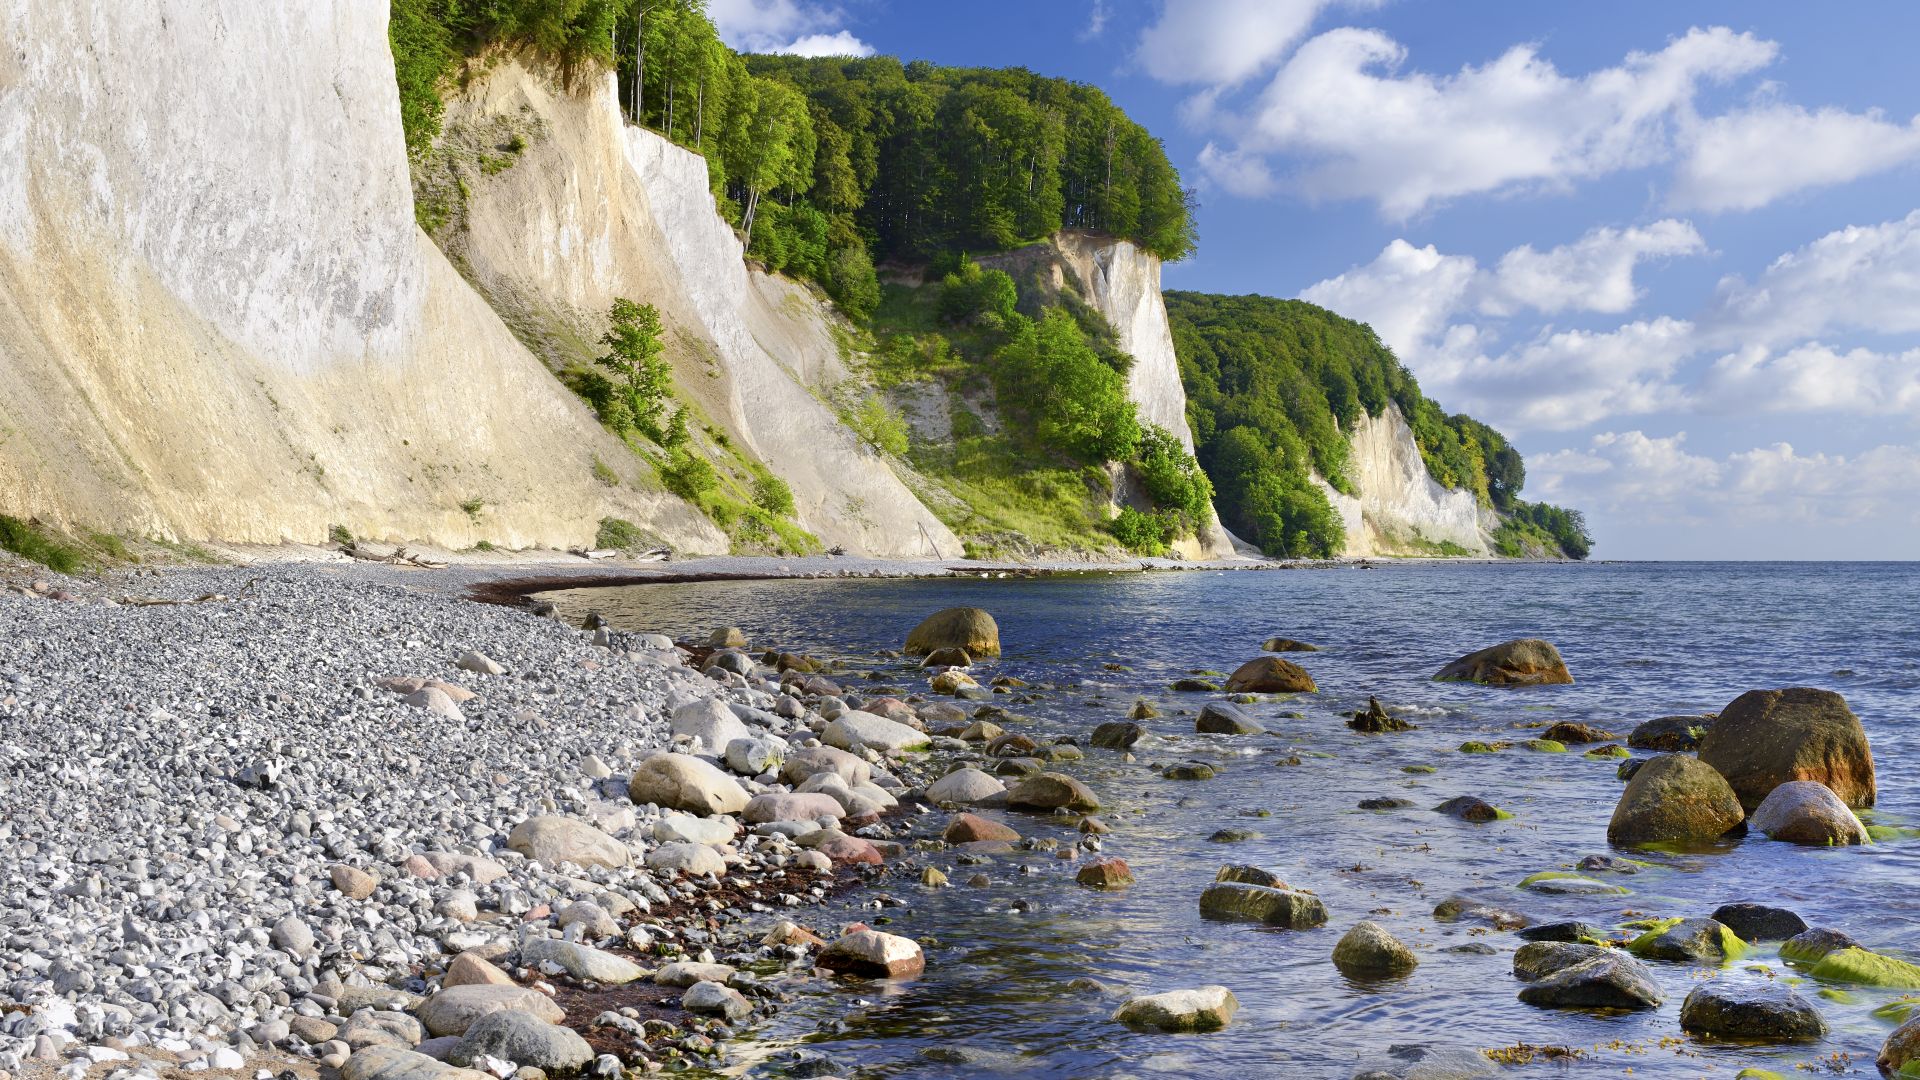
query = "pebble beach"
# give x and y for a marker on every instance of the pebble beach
(346, 819)
(256, 817)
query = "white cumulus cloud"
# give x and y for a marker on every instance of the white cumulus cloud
(1406, 294)
(1594, 273)
(1862, 277)
(1360, 127)
(1635, 478)
(1561, 380)
(1433, 310)
(842, 43)
(1746, 159)
(1813, 378)
(1409, 294)
(1242, 174)
(784, 26)
(1222, 42)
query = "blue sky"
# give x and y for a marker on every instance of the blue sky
(1673, 250)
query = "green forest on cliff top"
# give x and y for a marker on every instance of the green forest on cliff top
(830, 165)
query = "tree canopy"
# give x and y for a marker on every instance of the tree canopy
(1274, 389)
(923, 159)
(829, 165)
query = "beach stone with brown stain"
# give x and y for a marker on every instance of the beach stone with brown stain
(1675, 797)
(1271, 675)
(1766, 738)
(1574, 734)
(970, 629)
(1105, 874)
(353, 882)
(468, 969)
(874, 955)
(1052, 791)
(968, 828)
(1521, 662)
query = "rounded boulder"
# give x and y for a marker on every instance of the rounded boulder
(1271, 675)
(1052, 791)
(554, 840)
(969, 629)
(1766, 738)
(1758, 1012)
(1521, 662)
(1368, 949)
(685, 782)
(1675, 798)
(1206, 1008)
(1808, 812)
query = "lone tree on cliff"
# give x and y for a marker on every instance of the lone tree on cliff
(635, 354)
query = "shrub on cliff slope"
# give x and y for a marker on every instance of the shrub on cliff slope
(429, 38)
(1077, 404)
(30, 542)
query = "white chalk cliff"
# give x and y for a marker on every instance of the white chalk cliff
(594, 209)
(1399, 508)
(218, 318)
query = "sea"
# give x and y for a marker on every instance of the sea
(1024, 968)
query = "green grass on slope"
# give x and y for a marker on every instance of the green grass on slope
(31, 542)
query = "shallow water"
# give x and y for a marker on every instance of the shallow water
(1643, 640)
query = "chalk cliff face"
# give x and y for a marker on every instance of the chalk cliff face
(593, 210)
(217, 317)
(1400, 509)
(1122, 283)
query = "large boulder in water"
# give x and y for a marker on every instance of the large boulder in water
(1759, 922)
(1756, 1012)
(1701, 940)
(1612, 980)
(1118, 735)
(1270, 675)
(1290, 908)
(1224, 718)
(1769, 737)
(1368, 949)
(1675, 797)
(970, 629)
(1539, 959)
(1207, 1008)
(1281, 644)
(1524, 662)
(1808, 812)
(874, 955)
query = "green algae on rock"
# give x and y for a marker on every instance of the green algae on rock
(1862, 967)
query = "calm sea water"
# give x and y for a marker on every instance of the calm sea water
(1643, 640)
